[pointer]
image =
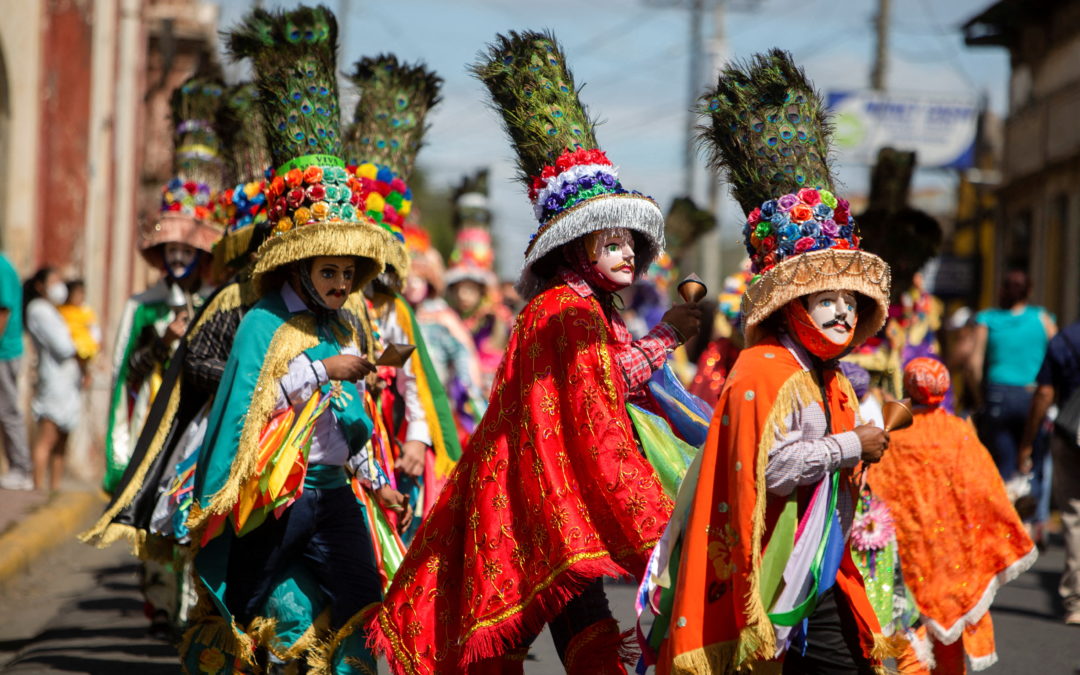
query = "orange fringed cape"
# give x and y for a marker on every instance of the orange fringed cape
(959, 537)
(550, 494)
(719, 621)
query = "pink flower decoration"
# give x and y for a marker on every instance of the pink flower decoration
(786, 202)
(873, 529)
(755, 216)
(804, 244)
(809, 196)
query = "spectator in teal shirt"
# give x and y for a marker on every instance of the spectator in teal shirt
(12, 421)
(1010, 343)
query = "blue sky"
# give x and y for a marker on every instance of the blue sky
(631, 55)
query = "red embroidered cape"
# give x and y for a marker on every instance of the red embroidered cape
(551, 494)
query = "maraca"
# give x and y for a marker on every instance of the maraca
(897, 415)
(692, 289)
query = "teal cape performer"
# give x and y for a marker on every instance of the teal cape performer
(283, 552)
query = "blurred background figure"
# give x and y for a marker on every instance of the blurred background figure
(12, 423)
(82, 322)
(57, 400)
(1059, 382)
(726, 341)
(1009, 345)
(472, 288)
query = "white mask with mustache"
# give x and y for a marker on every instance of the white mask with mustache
(613, 251)
(834, 313)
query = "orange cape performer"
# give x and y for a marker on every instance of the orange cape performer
(719, 620)
(959, 536)
(551, 494)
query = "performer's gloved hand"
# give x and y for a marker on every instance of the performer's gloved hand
(396, 502)
(874, 440)
(346, 367)
(413, 454)
(685, 319)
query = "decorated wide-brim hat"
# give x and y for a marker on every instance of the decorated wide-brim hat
(383, 140)
(312, 201)
(186, 215)
(573, 186)
(768, 130)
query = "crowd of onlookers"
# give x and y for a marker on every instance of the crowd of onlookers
(65, 336)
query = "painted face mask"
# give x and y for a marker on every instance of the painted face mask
(328, 280)
(608, 262)
(180, 259)
(825, 324)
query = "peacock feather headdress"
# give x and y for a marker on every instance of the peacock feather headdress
(311, 198)
(768, 130)
(187, 200)
(386, 133)
(573, 186)
(242, 207)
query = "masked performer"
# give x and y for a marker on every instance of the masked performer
(153, 497)
(382, 143)
(958, 536)
(179, 244)
(762, 571)
(552, 493)
(280, 537)
(472, 288)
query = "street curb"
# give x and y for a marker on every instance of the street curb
(47, 527)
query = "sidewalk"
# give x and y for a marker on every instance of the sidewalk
(33, 522)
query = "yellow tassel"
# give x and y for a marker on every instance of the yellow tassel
(293, 337)
(321, 655)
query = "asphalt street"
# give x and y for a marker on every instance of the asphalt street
(78, 610)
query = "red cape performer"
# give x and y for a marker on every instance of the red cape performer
(761, 576)
(552, 493)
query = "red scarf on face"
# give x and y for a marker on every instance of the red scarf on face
(810, 336)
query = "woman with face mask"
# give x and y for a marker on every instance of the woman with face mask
(552, 493)
(56, 401)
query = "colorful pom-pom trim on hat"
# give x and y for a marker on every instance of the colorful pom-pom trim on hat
(384, 196)
(809, 220)
(189, 198)
(303, 195)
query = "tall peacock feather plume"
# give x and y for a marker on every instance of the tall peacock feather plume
(197, 143)
(241, 125)
(768, 129)
(294, 55)
(311, 199)
(532, 87)
(572, 184)
(389, 121)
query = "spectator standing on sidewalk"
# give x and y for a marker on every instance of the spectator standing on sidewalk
(12, 423)
(56, 401)
(1058, 380)
(1010, 341)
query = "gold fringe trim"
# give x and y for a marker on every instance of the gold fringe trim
(96, 534)
(306, 642)
(362, 239)
(815, 271)
(291, 338)
(722, 658)
(227, 299)
(321, 656)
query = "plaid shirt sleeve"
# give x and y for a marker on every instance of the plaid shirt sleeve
(638, 359)
(208, 350)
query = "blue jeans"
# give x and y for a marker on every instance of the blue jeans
(1001, 424)
(325, 528)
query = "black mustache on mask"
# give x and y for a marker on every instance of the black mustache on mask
(334, 293)
(836, 322)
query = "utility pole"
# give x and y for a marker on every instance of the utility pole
(693, 80)
(881, 47)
